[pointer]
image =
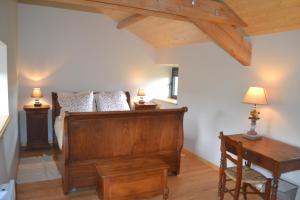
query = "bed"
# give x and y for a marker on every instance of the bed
(89, 138)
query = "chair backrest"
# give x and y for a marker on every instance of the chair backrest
(230, 146)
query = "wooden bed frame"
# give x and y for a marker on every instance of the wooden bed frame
(95, 137)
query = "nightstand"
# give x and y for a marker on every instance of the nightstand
(145, 106)
(37, 126)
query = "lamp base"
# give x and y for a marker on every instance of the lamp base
(37, 103)
(141, 102)
(252, 135)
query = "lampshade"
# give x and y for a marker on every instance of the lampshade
(255, 95)
(36, 93)
(141, 92)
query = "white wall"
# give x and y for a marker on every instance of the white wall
(212, 85)
(9, 145)
(68, 50)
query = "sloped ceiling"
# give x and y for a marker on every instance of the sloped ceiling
(262, 17)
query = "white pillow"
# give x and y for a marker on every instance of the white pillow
(76, 102)
(111, 101)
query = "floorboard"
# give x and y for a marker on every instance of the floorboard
(197, 181)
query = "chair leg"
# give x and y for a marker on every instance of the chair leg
(237, 191)
(268, 189)
(220, 184)
(223, 186)
(245, 191)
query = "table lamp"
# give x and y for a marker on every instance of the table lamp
(141, 94)
(37, 94)
(254, 96)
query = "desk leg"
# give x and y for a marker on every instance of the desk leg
(276, 176)
(166, 193)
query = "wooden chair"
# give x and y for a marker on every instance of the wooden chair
(243, 176)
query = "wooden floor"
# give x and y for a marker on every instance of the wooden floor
(31, 153)
(197, 181)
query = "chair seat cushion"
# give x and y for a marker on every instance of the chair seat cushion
(249, 175)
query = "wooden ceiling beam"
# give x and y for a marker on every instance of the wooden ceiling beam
(228, 38)
(208, 10)
(130, 20)
(99, 6)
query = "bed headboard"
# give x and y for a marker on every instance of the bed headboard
(56, 107)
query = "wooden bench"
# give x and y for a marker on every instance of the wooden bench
(127, 179)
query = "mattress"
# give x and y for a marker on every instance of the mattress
(58, 129)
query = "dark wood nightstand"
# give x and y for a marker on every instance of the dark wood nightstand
(37, 126)
(145, 106)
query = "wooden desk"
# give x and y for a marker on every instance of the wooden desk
(278, 157)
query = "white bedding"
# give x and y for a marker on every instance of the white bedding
(111, 101)
(76, 102)
(59, 130)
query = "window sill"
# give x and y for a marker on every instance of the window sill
(4, 121)
(168, 100)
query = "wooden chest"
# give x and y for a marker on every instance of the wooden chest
(125, 179)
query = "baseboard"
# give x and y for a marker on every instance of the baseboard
(206, 162)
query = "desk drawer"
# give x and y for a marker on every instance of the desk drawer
(260, 160)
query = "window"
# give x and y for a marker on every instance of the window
(174, 83)
(4, 112)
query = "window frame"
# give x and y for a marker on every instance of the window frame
(4, 111)
(174, 74)
(4, 124)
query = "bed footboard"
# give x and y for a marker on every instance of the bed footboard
(92, 138)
